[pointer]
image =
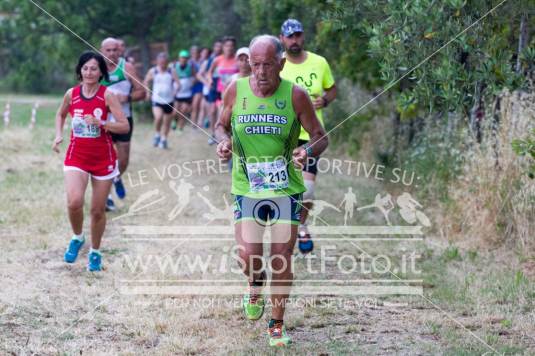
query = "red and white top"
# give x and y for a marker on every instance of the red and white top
(91, 148)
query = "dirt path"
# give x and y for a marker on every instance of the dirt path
(48, 307)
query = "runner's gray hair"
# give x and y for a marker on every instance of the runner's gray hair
(274, 41)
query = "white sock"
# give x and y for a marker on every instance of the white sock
(92, 250)
(157, 135)
(78, 237)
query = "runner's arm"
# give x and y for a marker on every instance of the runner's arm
(146, 83)
(324, 100)
(223, 127)
(330, 94)
(176, 80)
(307, 116)
(61, 114)
(138, 92)
(211, 72)
(121, 124)
(194, 72)
(201, 73)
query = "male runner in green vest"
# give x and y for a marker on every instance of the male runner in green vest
(312, 73)
(259, 127)
(126, 85)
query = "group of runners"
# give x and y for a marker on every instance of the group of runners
(263, 105)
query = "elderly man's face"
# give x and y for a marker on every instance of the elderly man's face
(265, 67)
(110, 50)
(161, 61)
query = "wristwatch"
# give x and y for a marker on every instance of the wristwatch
(325, 102)
(308, 149)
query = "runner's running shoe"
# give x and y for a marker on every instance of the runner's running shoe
(156, 141)
(110, 205)
(94, 263)
(72, 251)
(277, 334)
(119, 188)
(253, 301)
(305, 243)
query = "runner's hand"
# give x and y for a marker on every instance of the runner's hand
(91, 120)
(299, 156)
(224, 149)
(57, 141)
(318, 103)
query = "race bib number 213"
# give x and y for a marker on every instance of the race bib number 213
(267, 175)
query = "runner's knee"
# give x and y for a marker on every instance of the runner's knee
(98, 213)
(75, 202)
(309, 193)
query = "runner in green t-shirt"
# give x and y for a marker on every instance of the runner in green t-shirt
(259, 127)
(311, 72)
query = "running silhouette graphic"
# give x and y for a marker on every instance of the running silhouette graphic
(215, 213)
(384, 204)
(143, 202)
(409, 210)
(182, 191)
(318, 207)
(350, 201)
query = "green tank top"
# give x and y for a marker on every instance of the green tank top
(264, 134)
(183, 73)
(117, 75)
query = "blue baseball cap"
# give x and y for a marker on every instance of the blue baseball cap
(291, 26)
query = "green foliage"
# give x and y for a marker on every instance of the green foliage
(423, 42)
(436, 59)
(41, 54)
(526, 147)
(451, 254)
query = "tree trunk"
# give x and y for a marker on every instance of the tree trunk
(145, 54)
(522, 40)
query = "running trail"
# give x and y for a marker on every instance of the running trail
(168, 242)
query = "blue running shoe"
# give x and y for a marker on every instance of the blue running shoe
(110, 205)
(305, 243)
(119, 188)
(163, 145)
(156, 141)
(94, 263)
(72, 251)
